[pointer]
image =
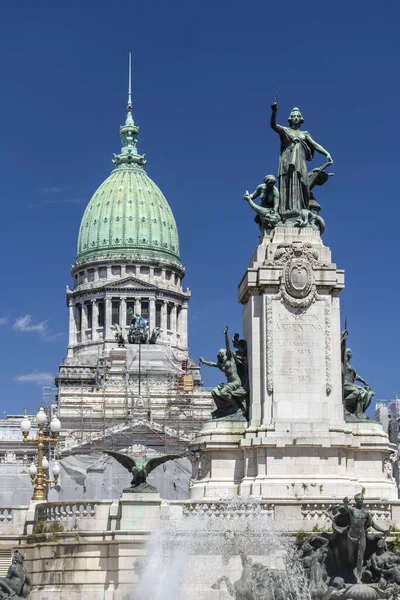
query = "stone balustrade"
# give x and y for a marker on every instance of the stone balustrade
(233, 510)
(113, 515)
(316, 512)
(12, 520)
(6, 515)
(51, 512)
(96, 515)
(87, 515)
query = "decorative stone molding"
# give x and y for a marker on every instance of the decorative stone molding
(297, 287)
(269, 342)
(328, 345)
(296, 249)
(388, 465)
(124, 258)
(73, 371)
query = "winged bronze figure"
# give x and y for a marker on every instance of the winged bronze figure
(140, 468)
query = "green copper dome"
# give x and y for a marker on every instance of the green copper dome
(128, 214)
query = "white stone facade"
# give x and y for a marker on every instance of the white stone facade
(105, 291)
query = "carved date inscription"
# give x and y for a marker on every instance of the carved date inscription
(299, 345)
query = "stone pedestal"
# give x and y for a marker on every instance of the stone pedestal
(291, 321)
(139, 512)
(297, 442)
(219, 470)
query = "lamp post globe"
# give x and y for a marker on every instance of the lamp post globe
(41, 416)
(45, 464)
(56, 469)
(25, 424)
(32, 470)
(55, 425)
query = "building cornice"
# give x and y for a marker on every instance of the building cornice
(127, 259)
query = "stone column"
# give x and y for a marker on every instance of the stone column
(152, 313)
(107, 318)
(84, 325)
(72, 323)
(164, 320)
(122, 314)
(183, 325)
(174, 323)
(95, 319)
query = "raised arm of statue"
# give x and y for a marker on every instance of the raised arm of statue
(348, 508)
(208, 363)
(227, 343)
(274, 124)
(257, 192)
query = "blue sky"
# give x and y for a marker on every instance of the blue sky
(204, 76)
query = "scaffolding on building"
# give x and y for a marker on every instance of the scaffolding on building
(163, 422)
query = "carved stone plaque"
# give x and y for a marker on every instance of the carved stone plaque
(298, 347)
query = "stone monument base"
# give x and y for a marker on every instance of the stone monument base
(292, 460)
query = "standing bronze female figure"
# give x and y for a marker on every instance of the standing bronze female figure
(297, 147)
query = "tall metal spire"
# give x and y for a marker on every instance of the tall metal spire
(129, 118)
(129, 155)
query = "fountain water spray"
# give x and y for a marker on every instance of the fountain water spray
(236, 552)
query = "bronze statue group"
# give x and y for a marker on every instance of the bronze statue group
(292, 202)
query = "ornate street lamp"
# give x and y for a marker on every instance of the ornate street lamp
(38, 473)
(45, 467)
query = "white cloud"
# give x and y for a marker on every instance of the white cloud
(51, 189)
(35, 377)
(50, 335)
(3, 320)
(56, 194)
(25, 324)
